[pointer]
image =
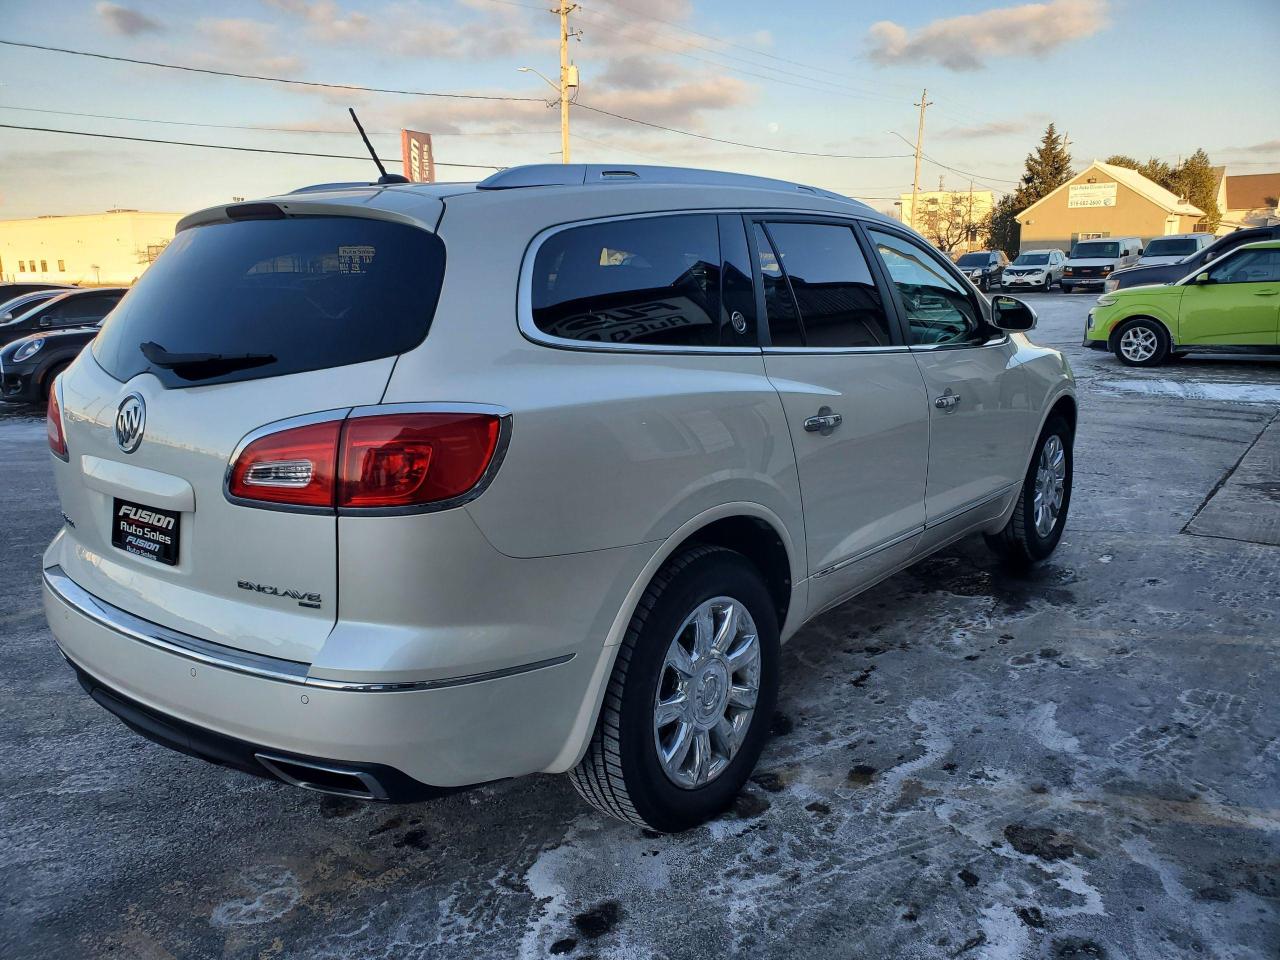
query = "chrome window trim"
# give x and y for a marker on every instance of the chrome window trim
(246, 662)
(376, 409)
(524, 297)
(893, 348)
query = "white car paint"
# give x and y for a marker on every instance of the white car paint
(616, 458)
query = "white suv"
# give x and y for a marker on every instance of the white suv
(386, 490)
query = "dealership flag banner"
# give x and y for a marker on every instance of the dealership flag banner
(419, 161)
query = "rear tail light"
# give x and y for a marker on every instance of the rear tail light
(297, 466)
(377, 461)
(53, 425)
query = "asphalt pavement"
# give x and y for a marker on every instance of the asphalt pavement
(1082, 763)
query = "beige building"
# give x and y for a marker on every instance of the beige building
(95, 248)
(1105, 201)
(946, 216)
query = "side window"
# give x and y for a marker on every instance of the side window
(779, 307)
(837, 299)
(652, 280)
(938, 309)
(1249, 266)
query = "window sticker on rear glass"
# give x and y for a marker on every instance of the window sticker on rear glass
(355, 258)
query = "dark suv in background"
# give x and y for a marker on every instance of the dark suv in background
(1170, 272)
(984, 267)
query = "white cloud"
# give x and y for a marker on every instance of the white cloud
(126, 20)
(995, 128)
(243, 45)
(967, 42)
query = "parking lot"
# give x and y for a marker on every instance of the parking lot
(1084, 763)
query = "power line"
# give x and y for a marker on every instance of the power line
(463, 96)
(226, 146)
(739, 143)
(736, 46)
(254, 76)
(346, 131)
(967, 173)
(838, 90)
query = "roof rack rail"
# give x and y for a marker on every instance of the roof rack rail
(321, 187)
(586, 174)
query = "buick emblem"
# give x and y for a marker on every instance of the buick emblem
(131, 419)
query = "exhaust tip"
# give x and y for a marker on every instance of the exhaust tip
(339, 781)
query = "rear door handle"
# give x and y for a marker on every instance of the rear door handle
(1265, 293)
(826, 421)
(946, 401)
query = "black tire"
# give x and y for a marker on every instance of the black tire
(47, 384)
(621, 774)
(1048, 282)
(1019, 544)
(1147, 331)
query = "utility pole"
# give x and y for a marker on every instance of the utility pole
(568, 75)
(915, 182)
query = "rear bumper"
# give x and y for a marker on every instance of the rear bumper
(207, 701)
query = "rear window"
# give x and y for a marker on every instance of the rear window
(1170, 248)
(296, 294)
(653, 281)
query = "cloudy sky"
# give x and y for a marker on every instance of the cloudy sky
(837, 77)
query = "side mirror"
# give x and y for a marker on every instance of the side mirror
(45, 323)
(1203, 278)
(1012, 315)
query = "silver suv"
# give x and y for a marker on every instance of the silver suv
(387, 490)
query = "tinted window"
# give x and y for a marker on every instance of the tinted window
(81, 309)
(779, 307)
(652, 281)
(837, 299)
(1031, 259)
(1170, 248)
(938, 308)
(1248, 266)
(311, 292)
(972, 260)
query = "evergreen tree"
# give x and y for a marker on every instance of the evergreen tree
(1197, 182)
(1154, 169)
(1047, 168)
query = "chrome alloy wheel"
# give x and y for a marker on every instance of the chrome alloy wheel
(1051, 478)
(1138, 344)
(707, 692)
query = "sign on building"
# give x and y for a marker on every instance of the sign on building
(1091, 195)
(419, 161)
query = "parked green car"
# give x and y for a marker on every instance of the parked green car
(1231, 305)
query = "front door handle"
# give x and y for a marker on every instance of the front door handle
(947, 401)
(826, 421)
(1265, 293)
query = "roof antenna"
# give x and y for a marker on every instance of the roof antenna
(384, 177)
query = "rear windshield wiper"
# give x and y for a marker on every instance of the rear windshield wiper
(202, 366)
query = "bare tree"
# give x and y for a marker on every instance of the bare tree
(948, 221)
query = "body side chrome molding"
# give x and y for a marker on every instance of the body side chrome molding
(847, 561)
(973, 505)
(916, 531)
(242, 661)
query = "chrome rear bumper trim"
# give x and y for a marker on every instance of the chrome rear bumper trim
(242, 661)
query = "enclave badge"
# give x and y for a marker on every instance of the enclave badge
(131, 420)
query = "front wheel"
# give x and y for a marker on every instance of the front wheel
(1141, 343)
(690, 699)
(1035, 528)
